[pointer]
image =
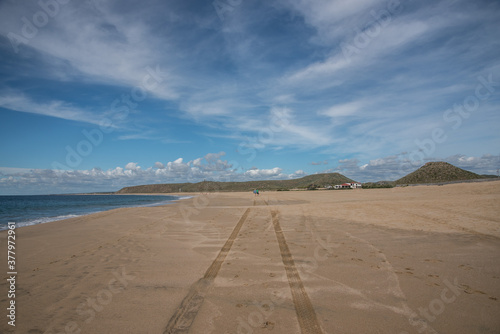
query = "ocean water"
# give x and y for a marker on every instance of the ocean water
(31, 210)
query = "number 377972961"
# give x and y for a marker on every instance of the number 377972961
(11, 246)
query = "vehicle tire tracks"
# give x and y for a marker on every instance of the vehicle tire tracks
(183, 318)
(306, 315)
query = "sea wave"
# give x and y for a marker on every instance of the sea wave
(33, 210)
(41, 220)
(184, 197)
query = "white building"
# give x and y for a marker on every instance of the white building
(353, 185)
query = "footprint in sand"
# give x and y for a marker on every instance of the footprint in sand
(433, 260)
(465, 267)
(467, 289)
(268, 324)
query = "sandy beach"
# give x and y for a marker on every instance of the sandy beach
(422, 259)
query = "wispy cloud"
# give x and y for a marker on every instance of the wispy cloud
(59, 109)
(344, 109)
(354, 80)
(100, 44)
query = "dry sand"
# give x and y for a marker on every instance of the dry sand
(405, 260)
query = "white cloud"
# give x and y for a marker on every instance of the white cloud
(132, 166)
(36, 181)
(354, 57)
(213, 157)
(159, 165)
(18, 101)
(297, 174)
(14, 180)
(319, 163)
(264, 173)
(99, 44)
(486, 164)
(18, 181)
(205, 109)
(394, 167)
(345, 109)
(284, 99)
(229, 80)
(11, 170)
(319, 71)
(197, 162)
(332, 18)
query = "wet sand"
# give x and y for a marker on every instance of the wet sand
(420, 259)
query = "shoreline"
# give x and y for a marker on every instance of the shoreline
(384, 255)
(49, 219)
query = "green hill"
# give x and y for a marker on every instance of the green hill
(318, 180)
(436, 172)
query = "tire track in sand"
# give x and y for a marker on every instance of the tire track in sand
(183, 318)
(305, 312)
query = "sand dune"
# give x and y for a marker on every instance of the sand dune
(403, 260)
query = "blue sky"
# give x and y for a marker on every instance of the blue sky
(96, 95)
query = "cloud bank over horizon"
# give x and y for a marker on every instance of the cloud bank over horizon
(211, 168)
(91, 91)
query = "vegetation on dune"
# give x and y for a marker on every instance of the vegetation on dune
(435, 172)
(431, 172)
(307, 182)
(378, 185)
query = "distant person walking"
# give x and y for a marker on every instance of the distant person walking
(256, 192)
